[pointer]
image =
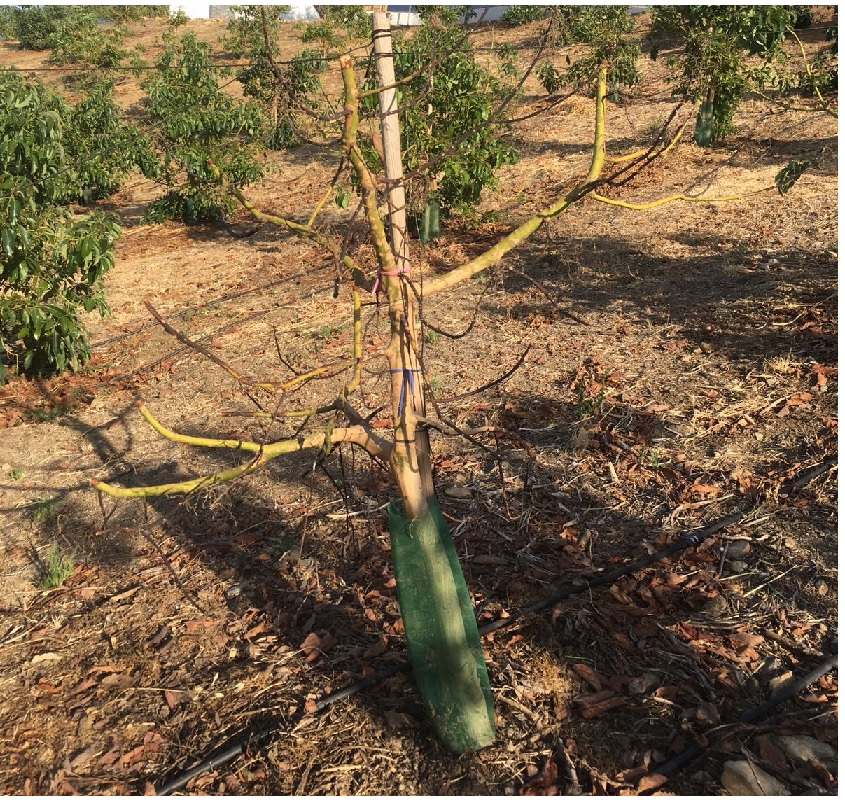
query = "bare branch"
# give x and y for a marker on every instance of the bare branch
(512, 370)
(377, 447)
(676, 197)
(314, 373)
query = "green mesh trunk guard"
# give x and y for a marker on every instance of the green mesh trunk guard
(443, 641)
(703, 135)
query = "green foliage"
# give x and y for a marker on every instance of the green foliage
(337, 25)
(43, 509)
(36, 27)
(587, 402)
(102, 146)
(131, 13)
(176, 19)
(353, 20)
(51, 263)
(823, 74)
(716, 42)
(7, 25)
(605, 29)
(507, 55)
(193, 121)
(55, 568)
(803, 18)
(550, 77)
(88, 45)
(446, 110)
(16, 473)
(278, 96)
(446, 15)
(245, 34)
(787, 177)
(514, 16)
(78, 35)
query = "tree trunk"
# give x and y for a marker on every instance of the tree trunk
(412, 455)
(439, 619)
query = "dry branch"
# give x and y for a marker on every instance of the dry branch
(264, 452)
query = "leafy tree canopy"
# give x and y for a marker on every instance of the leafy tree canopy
(52, 263)
(191, 121)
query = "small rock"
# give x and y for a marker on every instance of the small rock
(737, 549)
(644, 684)
(770, 667)
(821, 587)
(83, 727)
(744, 778)
(707, 714)
(717, 606)
(780, 680)
(789, 542)
(458, 492)
(232, 592)
(804, 748)
(582, 438)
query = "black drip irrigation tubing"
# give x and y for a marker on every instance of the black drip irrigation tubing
(257, 737)
(750, 717)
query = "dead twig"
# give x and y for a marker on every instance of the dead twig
(493, 383)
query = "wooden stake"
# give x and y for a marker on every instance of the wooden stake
(388, 106)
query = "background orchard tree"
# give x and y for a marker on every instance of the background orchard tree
(190, 121)
(53, 261)
(726, 51)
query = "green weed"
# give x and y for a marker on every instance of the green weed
(16, 473)
(585, 403)
(281, 545)
(43, 509)
(55, 568)
(45, 415)
(650, 458)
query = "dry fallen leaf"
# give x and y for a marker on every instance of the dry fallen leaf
(45, 656)
(261, 627)
(586, 672)
(175, 697)
(311, 647)
(705, 489)
(771, 753)
(649, 782)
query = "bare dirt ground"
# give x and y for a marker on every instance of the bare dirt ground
(683, 365)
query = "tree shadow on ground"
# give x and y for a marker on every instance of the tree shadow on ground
(563, 521)
(746, 306)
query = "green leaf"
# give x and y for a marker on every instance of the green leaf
(787, 177)
(341, 198)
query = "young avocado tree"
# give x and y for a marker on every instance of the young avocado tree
(440, 627)
(253, 33)
(52, 262)
(725, 52)
(190, 121)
